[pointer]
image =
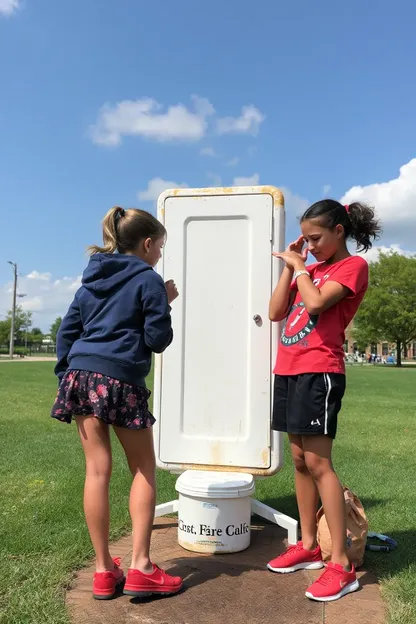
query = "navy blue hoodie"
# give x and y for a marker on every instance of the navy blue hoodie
(119, 316)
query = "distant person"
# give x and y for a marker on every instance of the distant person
(120, 315)
(310, 376)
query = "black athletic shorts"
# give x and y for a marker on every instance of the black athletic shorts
(308, 404)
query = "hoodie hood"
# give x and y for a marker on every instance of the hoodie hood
(105, 272)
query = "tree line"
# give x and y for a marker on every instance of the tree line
(25, 333)
(388, 312)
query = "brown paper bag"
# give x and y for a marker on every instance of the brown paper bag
(357, 530)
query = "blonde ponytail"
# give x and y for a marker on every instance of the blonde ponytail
(124, 229)
(110, 237)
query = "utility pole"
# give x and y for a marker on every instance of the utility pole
(14, 265)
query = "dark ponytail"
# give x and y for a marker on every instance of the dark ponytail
(357, 219)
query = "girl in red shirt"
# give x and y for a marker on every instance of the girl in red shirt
(318, 302)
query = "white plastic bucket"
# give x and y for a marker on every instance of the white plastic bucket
(214, 511)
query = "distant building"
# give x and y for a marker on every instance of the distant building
(383, 348)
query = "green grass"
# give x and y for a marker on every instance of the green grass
(43, 537)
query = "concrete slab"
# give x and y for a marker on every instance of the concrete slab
(230, 588)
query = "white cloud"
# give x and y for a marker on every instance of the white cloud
(395, 200)
(233, 162)
(208, 151)
(145, 118)
(248, 181)
(326, 189)
(372, 254)
(248, 122)
(156, 186)
(215, 179)
(39, 276)
(45, 297)
(8, 7)
(33, 305)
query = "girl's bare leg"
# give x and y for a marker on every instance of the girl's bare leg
(138, 446)
(306, 493)
(95, 438)
(317, 450)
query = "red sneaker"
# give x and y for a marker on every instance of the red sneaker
(105, 584)
(333, 584)
(297, 558)
(142, 585)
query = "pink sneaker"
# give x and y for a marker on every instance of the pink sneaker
(105, 584)
(333, 584)
(159, 582)
(297, 558)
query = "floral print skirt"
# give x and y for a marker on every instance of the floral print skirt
(82, 393)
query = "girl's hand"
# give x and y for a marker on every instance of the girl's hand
(171, 290)
(293, 260)
(295, 255)
(297, 245)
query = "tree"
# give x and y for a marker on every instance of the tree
(388, 311)
(364, 337)
(23, 322)
(55, 327)
(4, 332)
(35, 336)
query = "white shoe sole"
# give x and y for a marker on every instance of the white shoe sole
(348, 589)
(316, 565)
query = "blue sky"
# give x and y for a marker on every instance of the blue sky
(317, 98)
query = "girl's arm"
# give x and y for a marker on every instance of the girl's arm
(348, 280)
(158, 333)
(70, 330)
(282, 297)
(316, 300)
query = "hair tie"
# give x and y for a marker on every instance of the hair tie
(120, 212)
(347, 208)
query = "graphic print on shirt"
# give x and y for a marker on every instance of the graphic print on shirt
(298, 325)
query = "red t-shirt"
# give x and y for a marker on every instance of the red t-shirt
(314, 344)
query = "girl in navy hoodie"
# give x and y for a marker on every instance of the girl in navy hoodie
(119, 317)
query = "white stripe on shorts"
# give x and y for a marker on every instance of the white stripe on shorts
(328, 386)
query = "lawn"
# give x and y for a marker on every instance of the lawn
(43, 538)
